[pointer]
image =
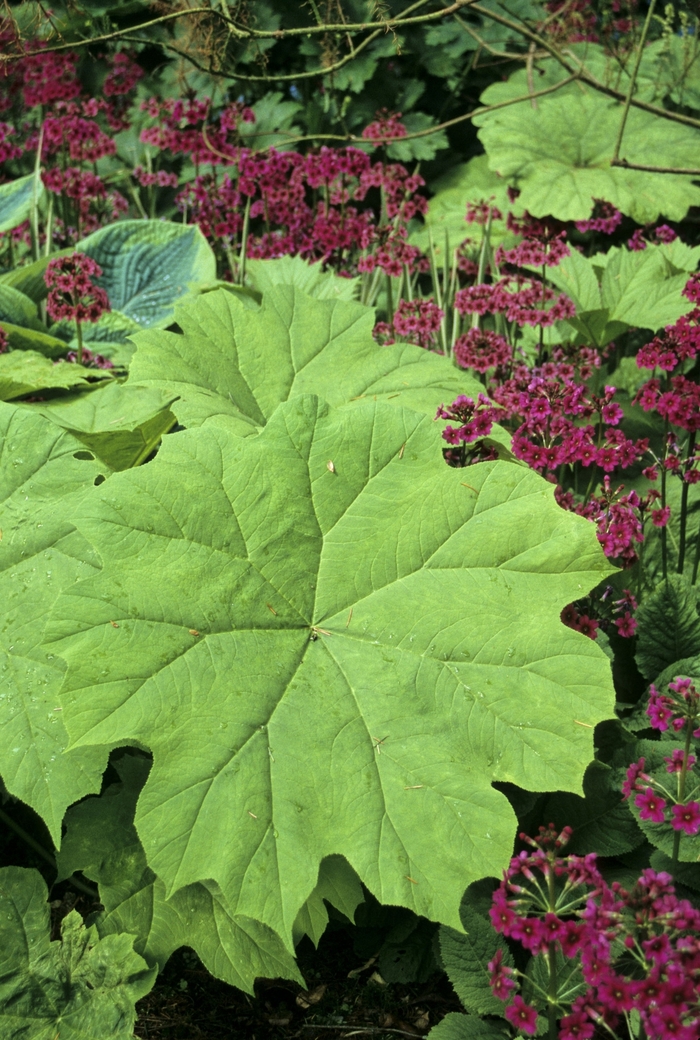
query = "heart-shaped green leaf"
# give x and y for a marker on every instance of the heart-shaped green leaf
(321, 632)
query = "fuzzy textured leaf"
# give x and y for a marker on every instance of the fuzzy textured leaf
(668, 626)
(147, 265)
(466, 956)
(40, 554)
(323, 660)
(240, 363)
(80, 988)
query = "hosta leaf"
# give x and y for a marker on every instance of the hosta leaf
(22, 338)
(668, 626)
(80, 988)
(325, 660)
(468, 1027)
(149, 264)
(16, 201)
(560, 155)
(40, 553)
(29, 278)
(466, 956)
(18, 309)
(102, 842)
(24, 371)
(240, 363)
(121, 423)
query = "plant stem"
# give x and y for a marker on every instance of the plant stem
(79, 334)
(552, 1002)
(684, 507)
(681, 791)
(633, 81)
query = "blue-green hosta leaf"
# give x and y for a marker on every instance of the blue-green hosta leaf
(240, 363)
(40, 554)
(121, 423)
(21, 338)
(560, 153)
(81, 988)
(102, 842)
(332, 645)
(24, 372)
(147, 265)
(16, 201)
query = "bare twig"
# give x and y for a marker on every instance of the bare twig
(633, 81)
(687, 171)
(354, 1030)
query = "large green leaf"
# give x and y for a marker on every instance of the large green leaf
(21, 338)
(102, 842)
(81, 988)
(16, 201)
(17, 308)
(331, 644)
(24, 372)
(560, 155)
(29, 278)
(263, 275)
(240, 363)
(468, 1027)
(121, 423)
(338, 885)
(40, 553)
(147, 265)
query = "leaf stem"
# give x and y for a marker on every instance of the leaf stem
(633, 81)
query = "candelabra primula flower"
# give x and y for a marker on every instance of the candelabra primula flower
(72, 293)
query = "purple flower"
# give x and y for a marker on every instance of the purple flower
(686, 817)
(650, 806)
(522, 1015)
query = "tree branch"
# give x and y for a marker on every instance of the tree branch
(687, 171)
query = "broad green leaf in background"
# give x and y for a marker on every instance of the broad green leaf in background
(418, 148)
(468, 1027)
(24, 372)
(109, 336)
(559, 155)
(273, 114)
(29, 278)
(466, 956)
(147, 265)
(16, 201)
(678, 67)
(121, 424)
(602, 822)
(332, 645)
(41, 480)
(22, 338)
(640, 289)
(668, 626)
(80, 988)
(239, 363)
(101, 841)
(311, 278)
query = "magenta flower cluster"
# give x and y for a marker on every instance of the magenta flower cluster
(72, 293)
(636, 949)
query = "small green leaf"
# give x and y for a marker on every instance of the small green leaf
(81, 988)
(468, 1027)
(147, 265)
(16, 201)
(293, 270)
(668, 626)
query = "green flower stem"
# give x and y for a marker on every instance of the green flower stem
(633, 81)
(244, 243)
(684, 506)
(552, 991)
(681, 791)
(79, 334)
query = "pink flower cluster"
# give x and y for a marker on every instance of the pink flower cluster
(636, 948)
(475, 418)
(418, 321)
(523, 300)
(72, 294)
(606, 219)
(387, 125)
(482, 350)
